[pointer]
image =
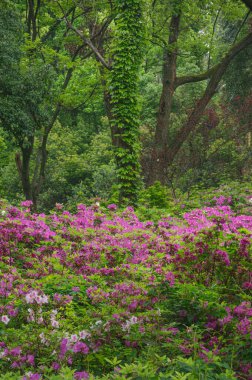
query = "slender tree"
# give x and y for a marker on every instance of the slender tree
(35, 111)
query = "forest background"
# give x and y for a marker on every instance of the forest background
(102, 99)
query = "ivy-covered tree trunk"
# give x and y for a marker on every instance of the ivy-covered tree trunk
(124, 90)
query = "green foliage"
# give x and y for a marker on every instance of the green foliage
(162, 368)
(24, 88)
(164, 203)
(76, 171)
(155, 196)
(81, 163)
(124, 93)
(165, 300)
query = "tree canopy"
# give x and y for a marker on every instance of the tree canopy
(160, 77)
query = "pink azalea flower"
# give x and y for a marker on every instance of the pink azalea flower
(5, 319)
(81, 375)
(80, 347)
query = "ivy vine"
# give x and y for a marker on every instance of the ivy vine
(127, 56)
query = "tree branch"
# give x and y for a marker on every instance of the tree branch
(104, 27)
(54, 26)
(37, 8)
(180, 81)
(86, 40)
(86, 100)
(213, 32)
(233, 51)
(200, 106)
(89, 43)
(241, 26)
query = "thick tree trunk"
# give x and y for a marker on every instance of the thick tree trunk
(202, 103)
(159, 153)
(164, 154)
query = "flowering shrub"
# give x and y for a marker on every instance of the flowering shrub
(96, 295)
(157, 200)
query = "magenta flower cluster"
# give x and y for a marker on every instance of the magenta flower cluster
(74, 286)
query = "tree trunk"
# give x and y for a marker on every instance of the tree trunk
(107, 100)
(32, 13)
(158, 167)
(26, 173)
(41, 158)
(127, 55)
(23, 166)
(163, 154)
(202, 103)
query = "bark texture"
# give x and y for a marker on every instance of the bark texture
(165, 151)
(160, 149)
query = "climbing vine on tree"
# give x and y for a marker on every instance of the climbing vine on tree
(127, 49)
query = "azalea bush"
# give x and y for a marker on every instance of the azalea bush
(107, 295)
(157, 200)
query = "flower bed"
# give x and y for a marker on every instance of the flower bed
(107, 296)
